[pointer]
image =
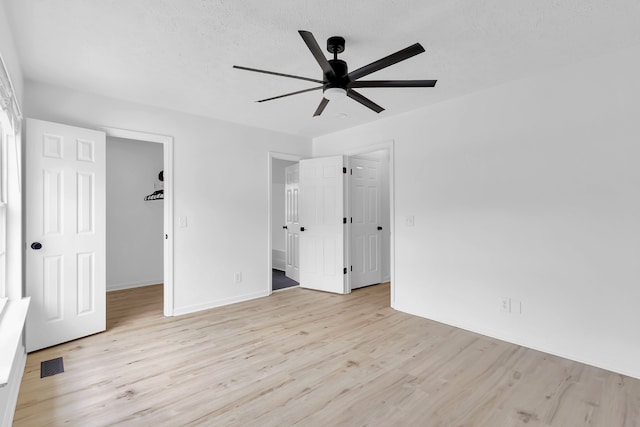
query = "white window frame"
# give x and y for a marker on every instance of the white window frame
(4, 133)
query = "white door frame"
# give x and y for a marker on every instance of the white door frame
(390, 146)
(167, 142)
(271, 155)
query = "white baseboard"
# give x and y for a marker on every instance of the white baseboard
(523, 343)
(120, 286)
(278, 260)
(219, 303)
(9, 400)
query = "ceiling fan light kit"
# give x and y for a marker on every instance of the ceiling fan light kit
(337, 83)
(335, 93)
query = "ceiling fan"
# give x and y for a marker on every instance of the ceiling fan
(337, 82)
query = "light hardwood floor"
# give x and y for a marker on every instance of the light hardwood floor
(307, 358)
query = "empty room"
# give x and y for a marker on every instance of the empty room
(319, 213)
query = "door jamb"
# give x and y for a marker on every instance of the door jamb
(271, 155)
(390, 146)
(167, 142)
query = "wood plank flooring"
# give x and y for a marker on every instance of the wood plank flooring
(308, 358)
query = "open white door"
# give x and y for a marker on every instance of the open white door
(292, 230)
(365, 222)
(321, 224)
(65, 232)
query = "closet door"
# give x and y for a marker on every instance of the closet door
(366, 230)
(292, 214)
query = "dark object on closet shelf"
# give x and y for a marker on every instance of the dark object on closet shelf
(156, 195)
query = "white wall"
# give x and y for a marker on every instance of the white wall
(529, 190)
(135, 230)
(220, 185)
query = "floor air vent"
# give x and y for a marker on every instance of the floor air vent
(51, 367)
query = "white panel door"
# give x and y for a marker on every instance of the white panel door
(365, 222)
(292, 218)
(321, 224)
(65, 232)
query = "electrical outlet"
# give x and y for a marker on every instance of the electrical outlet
(505, 305)
(182, 221)
(410, 221)
(237, 277)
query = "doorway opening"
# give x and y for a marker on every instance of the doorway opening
(134, 218)
(369, 227)
(140, 212)
(382, 154)
(283, 224)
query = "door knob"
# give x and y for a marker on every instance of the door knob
(285, 227)
(301, 228)
(36, 245)
(379, 228)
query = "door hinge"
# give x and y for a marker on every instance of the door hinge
(344, 170)
(350, 171)
(352, 268)
(344, 220)
(166, 236)
(351, 220)
(345, 270)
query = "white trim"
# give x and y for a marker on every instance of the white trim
(287, 288)
(167, 141)
(178, 311)
(271, 155)
(19, 363)
(11, 327)
(131, 285)
(11, 86)
(133, 134)
(390, 146)
(517, 340)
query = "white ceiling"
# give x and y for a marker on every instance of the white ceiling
(179, 54)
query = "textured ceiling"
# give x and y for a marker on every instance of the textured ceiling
(179, 54)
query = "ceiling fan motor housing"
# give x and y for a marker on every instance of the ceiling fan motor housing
(341, 70)
(339, 83)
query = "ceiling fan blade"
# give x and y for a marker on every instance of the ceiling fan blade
(364, 100)
(393, 83)
(321, 107)
(277, 74)
(313, 46)
(394, 58)
(289, 94)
